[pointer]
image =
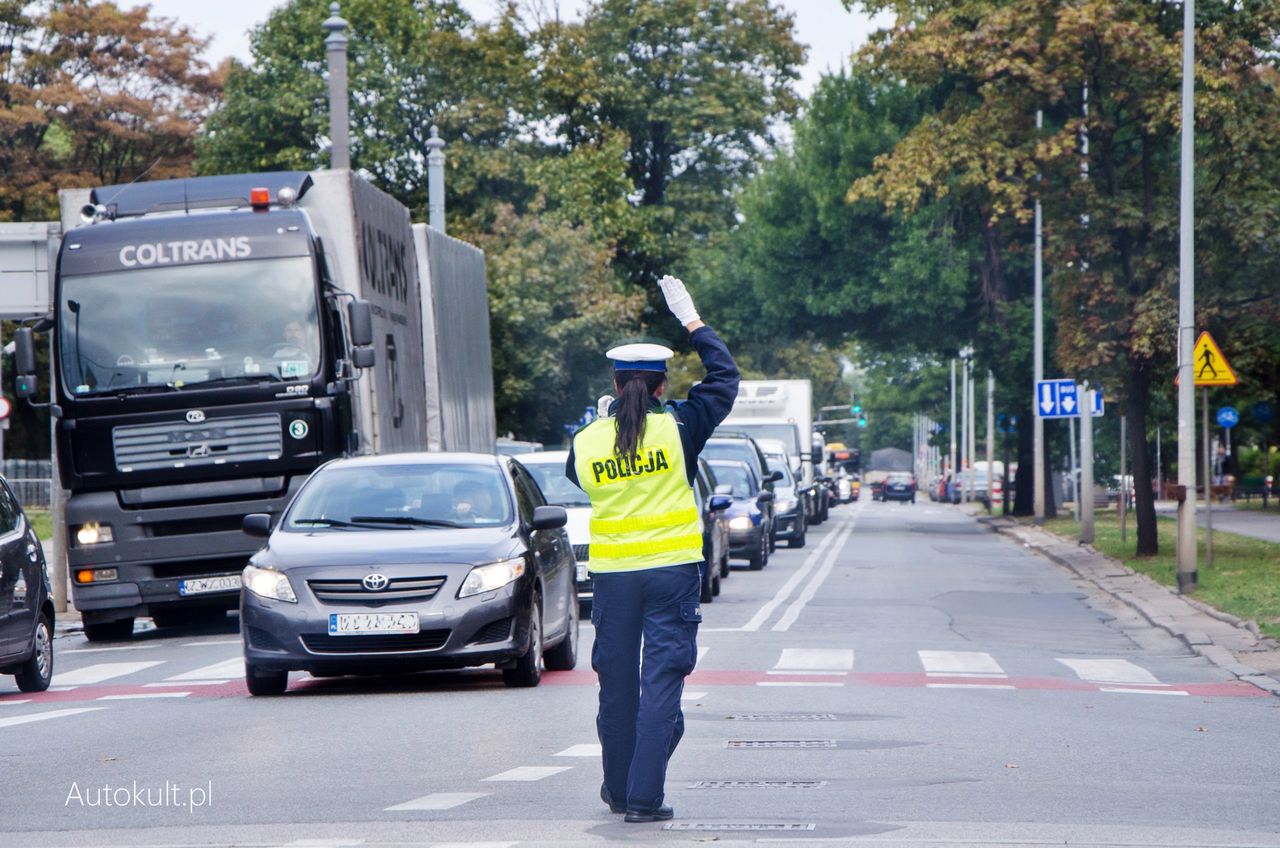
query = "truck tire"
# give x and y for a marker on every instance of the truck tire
(564, 656)
(109, 631)
(34, 674)
(527, 672)
(265, 682)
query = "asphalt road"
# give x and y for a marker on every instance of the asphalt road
(908, 679)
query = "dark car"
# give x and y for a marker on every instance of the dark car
(789, 514)
(743, 448)
(547, 468)
(899, 486)
(26, 621)
(748, 527)
(410, 562)
(713, 511)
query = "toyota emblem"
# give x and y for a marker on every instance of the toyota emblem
(375, 582)
(195, 416)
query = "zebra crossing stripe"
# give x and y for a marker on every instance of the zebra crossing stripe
(960, 664)
(98, 672)
(1111, 671)
(438, 801)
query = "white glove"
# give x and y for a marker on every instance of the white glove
(678, 299)
(602, 405)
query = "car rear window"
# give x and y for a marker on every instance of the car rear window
(734, 476)
(558, 489)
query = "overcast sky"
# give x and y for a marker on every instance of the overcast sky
(830, 32)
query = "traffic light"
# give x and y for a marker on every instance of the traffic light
(862, 419)
(856, 408)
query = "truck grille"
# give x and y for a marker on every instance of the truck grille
(427, 640)
(399, 590)
(217, 441)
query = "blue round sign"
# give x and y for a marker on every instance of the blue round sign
(1263, 412)
(1228, 417)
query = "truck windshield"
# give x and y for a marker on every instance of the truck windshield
(181, 326)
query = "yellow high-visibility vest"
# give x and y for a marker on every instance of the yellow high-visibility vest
(643, 513)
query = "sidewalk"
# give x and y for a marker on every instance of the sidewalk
(1247, 522)
(1229, 643)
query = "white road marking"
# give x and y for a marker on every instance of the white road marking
(816, 672)
(1110, 671)
(30, 717)
(526, 774)
(702, 652)
(104, 650)
(321, 842)
(969, 686)
(960, 664)
(811, 588)
(99, 672)
(211, 642)
(185, 683)
(796, 683)
(692, 696)
(474, 844)
(14, 703)
(762, 615)
(586, 749)
(224, 670)
(438, 801)
(1142, 691)
(814, 659)
(139, 696)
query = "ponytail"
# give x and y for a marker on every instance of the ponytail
(635, 388)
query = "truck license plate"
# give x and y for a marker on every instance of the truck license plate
(360, 623)
(203, 585)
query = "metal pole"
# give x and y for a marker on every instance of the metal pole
(965, 461)
(1086, 466)
(1187, 578)
(1075, 473)
(1208, 485)
(339, 122)
(1037, 473)
(954, 479)
(57, 551)
(1159, 473)
(973, 434)
(435, 180)
(1124, 486)
(991, 438)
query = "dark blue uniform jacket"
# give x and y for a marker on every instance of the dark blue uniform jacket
(708, 404)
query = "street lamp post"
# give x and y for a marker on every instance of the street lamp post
(1187, 577)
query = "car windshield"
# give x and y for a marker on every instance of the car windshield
(180, 326)
(406, 496)
(739, 450)
(735, 476)
(779, 463)
(556, 487)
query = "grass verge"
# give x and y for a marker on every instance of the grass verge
(1244, 580)
(42, 523)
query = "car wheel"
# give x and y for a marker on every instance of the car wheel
(773, 539)
(705, 592)
(109, 631)
(564, 656)
(527, 671)
(724, 564)
(798, 540)
(715, 583)
(265, 681)
(760, 556)
(34, 674)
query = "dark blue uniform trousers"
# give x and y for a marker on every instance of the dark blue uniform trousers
(640, 722)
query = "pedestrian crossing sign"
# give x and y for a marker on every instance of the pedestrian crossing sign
(1209, 365)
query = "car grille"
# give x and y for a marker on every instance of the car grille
(427, 640)
(399, 589)
(494, 631)
(217, 441)
(582, 553)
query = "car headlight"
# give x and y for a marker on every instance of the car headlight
(268, 583)
(786, 504)
(93, 533)
(495, 575)
(741, 522)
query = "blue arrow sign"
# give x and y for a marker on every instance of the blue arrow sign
(1228, 417)
(1061, 399)
(1098, 407)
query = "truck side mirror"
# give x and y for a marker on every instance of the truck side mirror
(24, 354)
(360, 317)
(363, 357)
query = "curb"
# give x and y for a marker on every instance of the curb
(1197, 641)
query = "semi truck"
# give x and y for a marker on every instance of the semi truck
(214, 340)
(781, 410)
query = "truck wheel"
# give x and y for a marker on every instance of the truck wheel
(527, 671)
(262, 681)
(34, 674)
(109, 631)
(564, 656)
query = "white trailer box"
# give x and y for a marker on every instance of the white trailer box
(777, 409)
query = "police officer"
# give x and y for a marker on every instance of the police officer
(637, 465)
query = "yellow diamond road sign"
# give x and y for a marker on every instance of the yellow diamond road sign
(1209, 365)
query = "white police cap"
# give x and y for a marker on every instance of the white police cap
(640, 357)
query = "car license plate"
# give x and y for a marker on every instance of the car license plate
(582, 572)
(364, 623)
(203, 585)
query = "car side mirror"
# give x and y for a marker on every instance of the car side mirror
(764, 498)
(548, 518)
(720, 502)
(257, 525)
(774, 476)
(724, 489)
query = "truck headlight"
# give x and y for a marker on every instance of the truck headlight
(741, 522)
(94, 533)
(495, 575)
(268, 583)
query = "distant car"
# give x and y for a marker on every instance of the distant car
(409, 562)
(745, 449)
(748, 519)
(713, 512)
(789, 509)
(899, 486)
(547, 469)
(26, 623)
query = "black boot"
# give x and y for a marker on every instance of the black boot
(663, 813)
(608, 799)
